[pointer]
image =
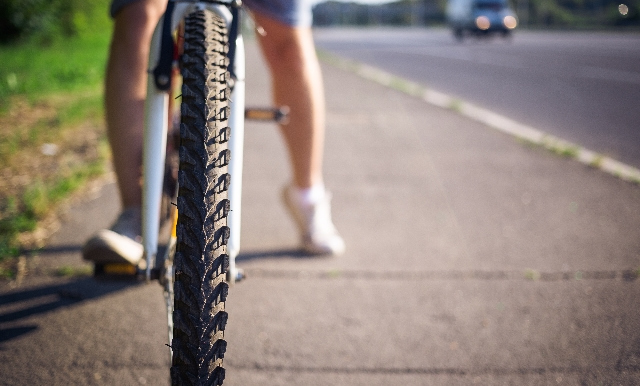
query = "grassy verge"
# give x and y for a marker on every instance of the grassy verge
(51, 132)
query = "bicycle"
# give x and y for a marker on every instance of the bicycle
(201, 204)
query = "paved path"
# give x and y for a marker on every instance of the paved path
(472, 259)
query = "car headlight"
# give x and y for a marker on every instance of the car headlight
(510, 22)
(483, 23)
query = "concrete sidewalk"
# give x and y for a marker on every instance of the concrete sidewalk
(471, 259)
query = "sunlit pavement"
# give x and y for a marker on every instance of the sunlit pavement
(471, 259)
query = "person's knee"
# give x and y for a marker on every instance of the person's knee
(284, 55)
(284, 46)
(289, 53)
(136, 21)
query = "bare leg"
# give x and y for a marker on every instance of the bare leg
(297, 83)
(125, 91)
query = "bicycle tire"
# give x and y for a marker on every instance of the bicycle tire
(201, 259)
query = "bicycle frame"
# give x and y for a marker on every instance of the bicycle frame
(156, 128)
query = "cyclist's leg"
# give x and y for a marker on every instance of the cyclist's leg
(125, 92)
(297, 82)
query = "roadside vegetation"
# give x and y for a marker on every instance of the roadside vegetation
(51, 131)
(538, 14)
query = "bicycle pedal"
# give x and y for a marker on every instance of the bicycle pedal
(115, 271)
(239, 276)
(278, 114)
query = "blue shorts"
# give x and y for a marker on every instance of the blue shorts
(296, 13)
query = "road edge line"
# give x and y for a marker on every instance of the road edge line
(489, 118)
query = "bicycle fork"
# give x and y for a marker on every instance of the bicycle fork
(156, 128)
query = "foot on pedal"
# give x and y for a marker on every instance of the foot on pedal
(117, 252)
(119, 245)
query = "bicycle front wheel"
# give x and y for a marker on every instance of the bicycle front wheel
(201, 259)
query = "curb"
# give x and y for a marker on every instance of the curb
(493, 120)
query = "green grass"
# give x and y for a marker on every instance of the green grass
(71, 271)
(456, 105)
(566, 151)
(39, 197)
(70, 109)
(70, 65)
(38, 200)
(597, 161)
(532, 274)
(47, 90)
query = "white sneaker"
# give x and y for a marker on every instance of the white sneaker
(319, 235)
(121, 243)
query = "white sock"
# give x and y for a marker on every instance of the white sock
(310, 195)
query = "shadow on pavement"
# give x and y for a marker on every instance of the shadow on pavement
(11, 333)
(18, 305)
(274, 254)
(54, 250)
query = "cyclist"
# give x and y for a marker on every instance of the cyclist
(296, 82)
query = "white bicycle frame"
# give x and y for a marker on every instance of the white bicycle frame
(155, 139)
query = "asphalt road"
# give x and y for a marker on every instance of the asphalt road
(582, 87)
(471, 260)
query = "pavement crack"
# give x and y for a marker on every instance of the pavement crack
(628, 275)
(453, 371)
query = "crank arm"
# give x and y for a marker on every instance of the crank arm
(275, 114)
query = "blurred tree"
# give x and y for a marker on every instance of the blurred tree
(552, 13)
(579, 13)
(48, 20)
(548, 13)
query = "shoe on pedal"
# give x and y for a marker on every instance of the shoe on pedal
(121, 244)
(312, 215)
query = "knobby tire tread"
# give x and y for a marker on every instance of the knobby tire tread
(201, 259)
